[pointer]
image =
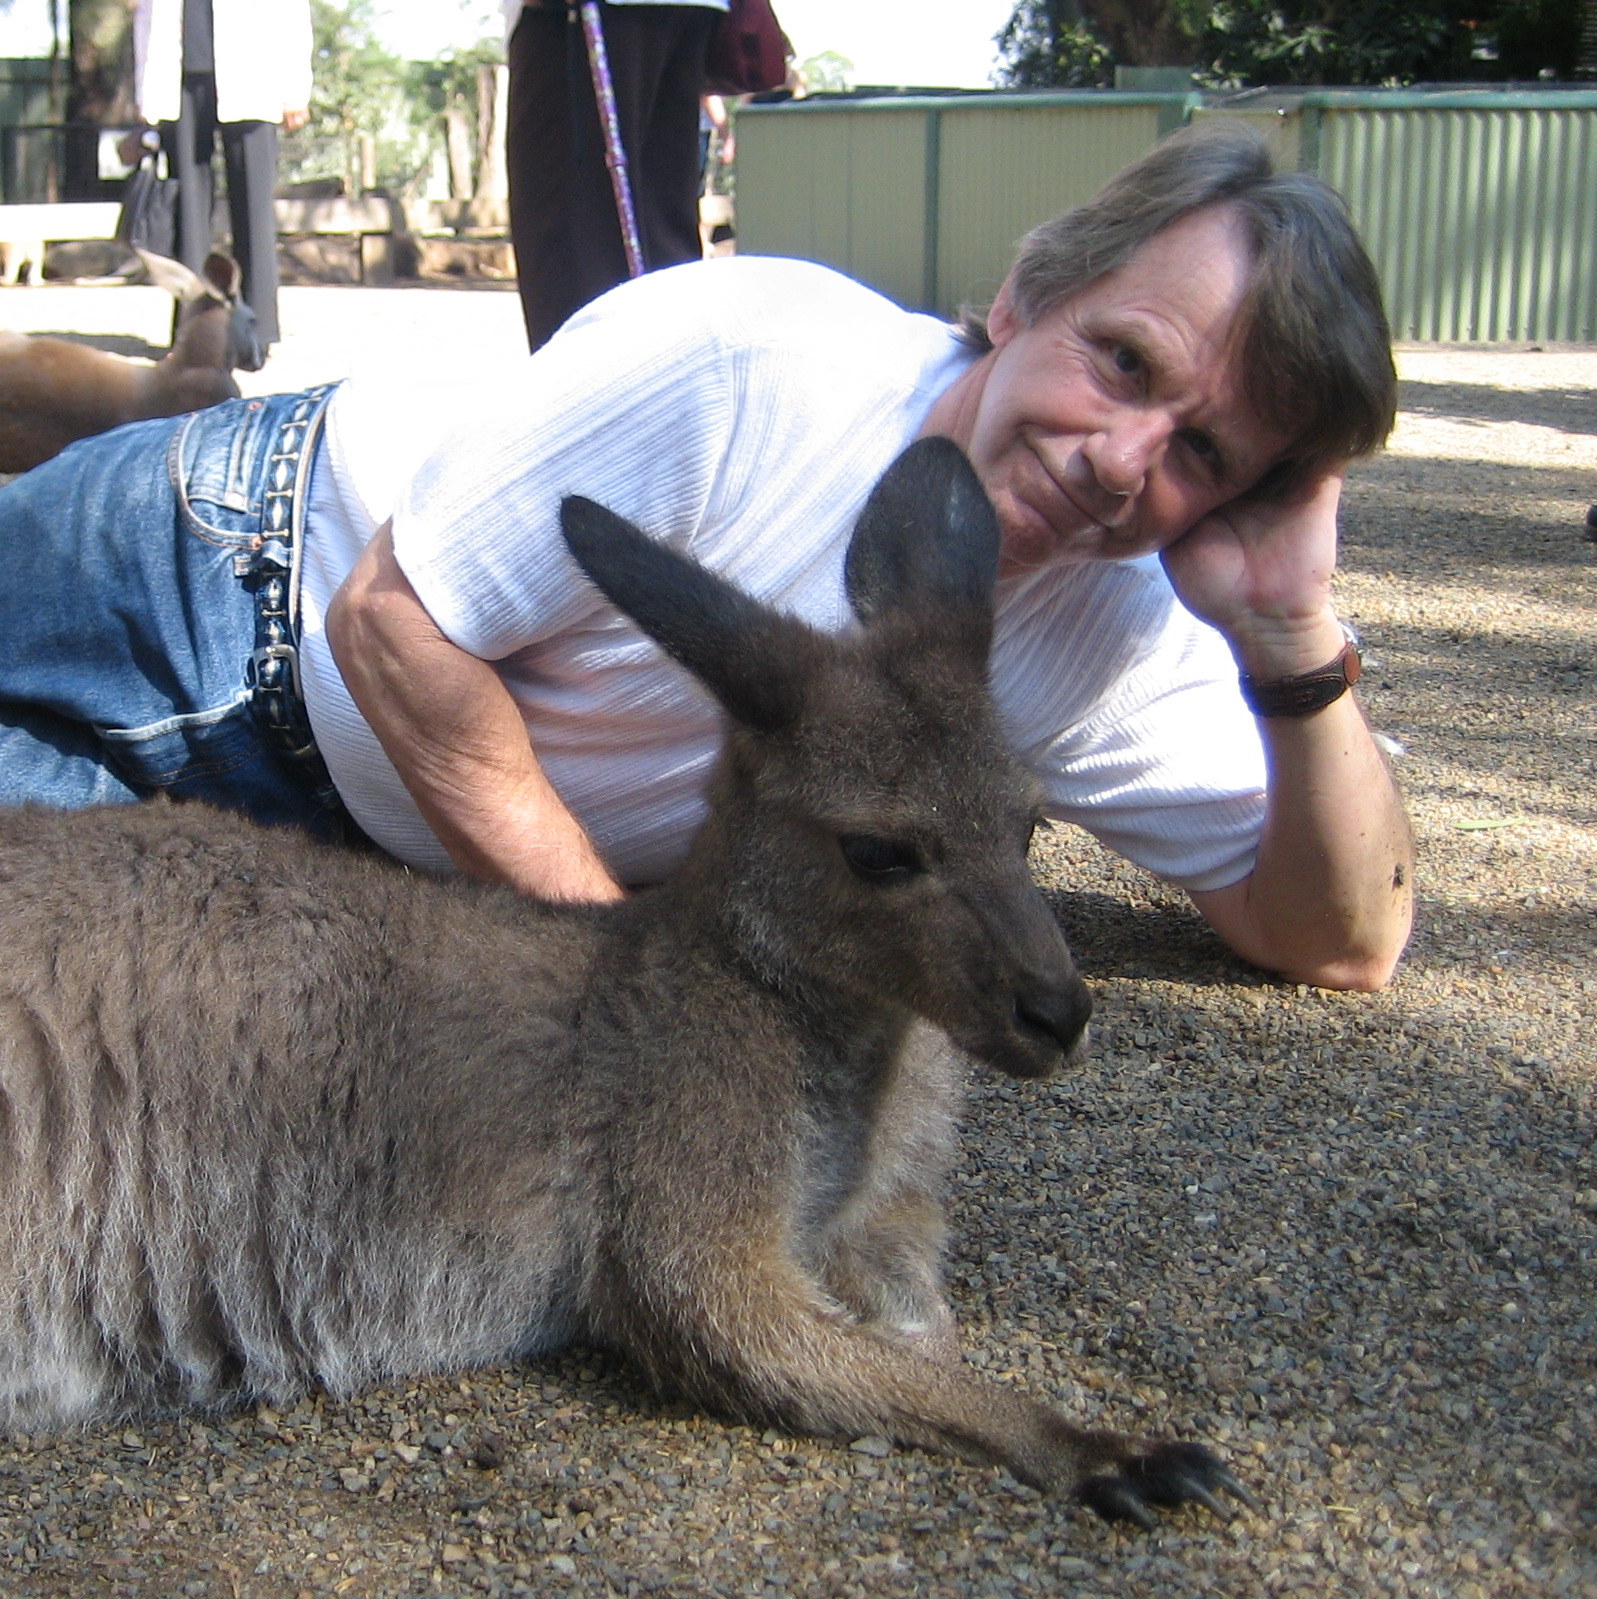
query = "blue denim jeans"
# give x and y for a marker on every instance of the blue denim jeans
(125, 625)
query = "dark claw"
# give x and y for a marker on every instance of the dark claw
(1171, 1474)
(1115, 1499)
(1221, 1478)
(1191, 1488)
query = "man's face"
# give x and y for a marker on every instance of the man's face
(1116, 420)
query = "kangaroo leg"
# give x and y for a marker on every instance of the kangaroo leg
(882, 1253)
(767, 1347)
(886, 1269)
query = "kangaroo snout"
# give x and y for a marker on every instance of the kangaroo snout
(1052, 1021)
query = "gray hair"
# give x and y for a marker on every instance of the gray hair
(1311, 337)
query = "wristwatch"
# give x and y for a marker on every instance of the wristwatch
(1307, 692)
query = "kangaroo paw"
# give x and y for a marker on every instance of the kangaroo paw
(1166, 1474)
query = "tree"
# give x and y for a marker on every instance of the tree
(1047, 44)
(99, 86)
(377, 121)
(101, 89)
(1234, 43)
(462, 92)
(827, 73)
(354, 95)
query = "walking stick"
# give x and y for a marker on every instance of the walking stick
(615, 155)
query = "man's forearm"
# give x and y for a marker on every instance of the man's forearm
(456, 738)
(1330, 897)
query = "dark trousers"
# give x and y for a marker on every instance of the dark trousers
(563, 219)
(249, 154)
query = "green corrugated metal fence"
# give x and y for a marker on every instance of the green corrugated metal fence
(1481, 217)
(923, 197)
(1479, 208)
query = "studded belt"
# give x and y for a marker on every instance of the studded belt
(271, 571)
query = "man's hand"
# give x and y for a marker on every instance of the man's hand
(1329, 900)
(1260, 571)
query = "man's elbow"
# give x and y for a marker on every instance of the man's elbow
(1352, 974)
(1359, 966)
(1356, 949)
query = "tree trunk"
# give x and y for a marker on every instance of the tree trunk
(458, 141)
(102, 62)
(493, 97)
(100, 87)
(1140, 33)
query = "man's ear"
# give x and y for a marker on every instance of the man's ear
(1003, 321)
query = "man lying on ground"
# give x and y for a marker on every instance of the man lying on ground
(1161, 402)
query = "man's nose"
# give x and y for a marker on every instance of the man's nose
(1124, 452)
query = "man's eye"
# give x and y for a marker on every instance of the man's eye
(1206, 450)
(1127, 360)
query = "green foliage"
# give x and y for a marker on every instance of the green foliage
(354, 75)
(364, 98)
(452, 78)
(828, 73)
(1537, 36)
(1331, 41)
(1046, 45)
(1387, 41)
(1063, 44)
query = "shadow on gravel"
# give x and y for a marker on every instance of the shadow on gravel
(1422, 518)
(1110, 937)
(1568, 410)
(1507, 667)
(1550, 941)
(111, 343)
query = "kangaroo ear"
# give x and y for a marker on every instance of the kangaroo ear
(926, 543)
(179, 281)
(223, 274)
(753, 659)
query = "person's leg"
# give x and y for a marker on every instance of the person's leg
(539, 162)
(125, 626)
(668, 163)
(189, 143)
(51, 760)
(249, 151)
(564, 222)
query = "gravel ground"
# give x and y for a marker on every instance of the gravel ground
(1349, 1239)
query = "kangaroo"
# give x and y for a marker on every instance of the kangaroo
(53, 391)
(275, 1115)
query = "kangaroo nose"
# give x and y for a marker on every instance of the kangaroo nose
(1058, 1015)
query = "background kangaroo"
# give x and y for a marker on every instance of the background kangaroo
(273, 1115)
(53, 391)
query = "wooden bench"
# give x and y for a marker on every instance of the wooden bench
(26, 229)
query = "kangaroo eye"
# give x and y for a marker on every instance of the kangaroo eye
(879, 860)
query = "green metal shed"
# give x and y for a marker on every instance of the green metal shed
(1479, 207)
(923, 197)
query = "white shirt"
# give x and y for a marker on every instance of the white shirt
(740, 409)
(263, 58)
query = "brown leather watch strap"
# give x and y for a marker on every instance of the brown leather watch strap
(1307, 692)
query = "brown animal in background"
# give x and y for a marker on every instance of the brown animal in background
(53, 391)
(277, 1115)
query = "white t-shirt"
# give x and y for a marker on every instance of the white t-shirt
(739, 409)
